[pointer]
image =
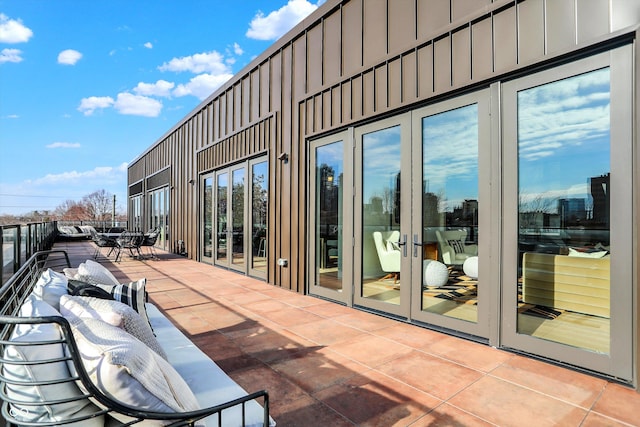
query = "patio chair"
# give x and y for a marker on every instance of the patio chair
(102, 241)
(149, 241)
(131, 241)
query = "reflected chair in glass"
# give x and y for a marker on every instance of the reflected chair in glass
(388, 253)
(453, 247)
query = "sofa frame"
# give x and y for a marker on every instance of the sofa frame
(12, 295)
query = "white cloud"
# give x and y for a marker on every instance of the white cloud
(10, 55)
(137, 105)
(277, 23)
(89, 105)
(11, 116)
(99, 175)
(207, 62)
(69, 57)
(13, 30)
(237, 49)
(148, 45)
(202, 86)
(159, 88)
(64, 145)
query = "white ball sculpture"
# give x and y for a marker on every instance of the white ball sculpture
(470, 267)
(435, 273)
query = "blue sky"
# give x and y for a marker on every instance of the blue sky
(86, 86)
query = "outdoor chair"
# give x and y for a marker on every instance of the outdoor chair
(149, 241)
(130, 241)
(102, 241)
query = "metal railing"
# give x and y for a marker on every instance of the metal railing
(20, 241)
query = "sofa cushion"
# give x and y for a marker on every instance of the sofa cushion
(95, 273)
(36, 307)
(124, 368)
(50, 287)
(133, 294)
(114, 313)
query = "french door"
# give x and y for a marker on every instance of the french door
(234, 217)
(506, 214)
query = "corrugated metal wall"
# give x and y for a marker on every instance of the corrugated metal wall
(351, 61)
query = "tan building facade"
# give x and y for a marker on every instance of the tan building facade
(464, 165)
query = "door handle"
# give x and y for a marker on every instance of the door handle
(416, 245)
(403, 243)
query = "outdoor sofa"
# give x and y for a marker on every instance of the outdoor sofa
(101, 363)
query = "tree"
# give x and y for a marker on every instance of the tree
(98, 205)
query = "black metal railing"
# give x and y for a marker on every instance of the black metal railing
(20, 241)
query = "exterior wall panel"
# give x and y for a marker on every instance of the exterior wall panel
(402, 25)
(531, 24)
(505, 38)
(461, 57)
(394, 90)
(332, 48)
(442, 64)
(561, 25)
(433, 15)
(352, 36)
(408, 78)
(461, 8)
(314, 59)
(374, 31)
(425, 72)
(482, 48)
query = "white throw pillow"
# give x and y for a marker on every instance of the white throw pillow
(50, 287)
(594, 254)
(133, 294)
(127, 370)
(35, 307)
(114, 313)
(95, 273)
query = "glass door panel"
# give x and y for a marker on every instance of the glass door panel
(327, 219)
(450, 213)
(564, 240)
(207, 219)
(222, 238)
(567, 269)
(259, 219)
(238, 219)
(451, 183)
(383, 201)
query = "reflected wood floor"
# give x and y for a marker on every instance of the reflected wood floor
(329, 365)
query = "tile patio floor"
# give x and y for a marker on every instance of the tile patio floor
(328, 365)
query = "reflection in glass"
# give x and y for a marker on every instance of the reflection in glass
(207, 232)
(328, 214)
(260, 178)
(221, 217)
(450, 213)
(237, 212)
(381, 253)
(564, 223)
